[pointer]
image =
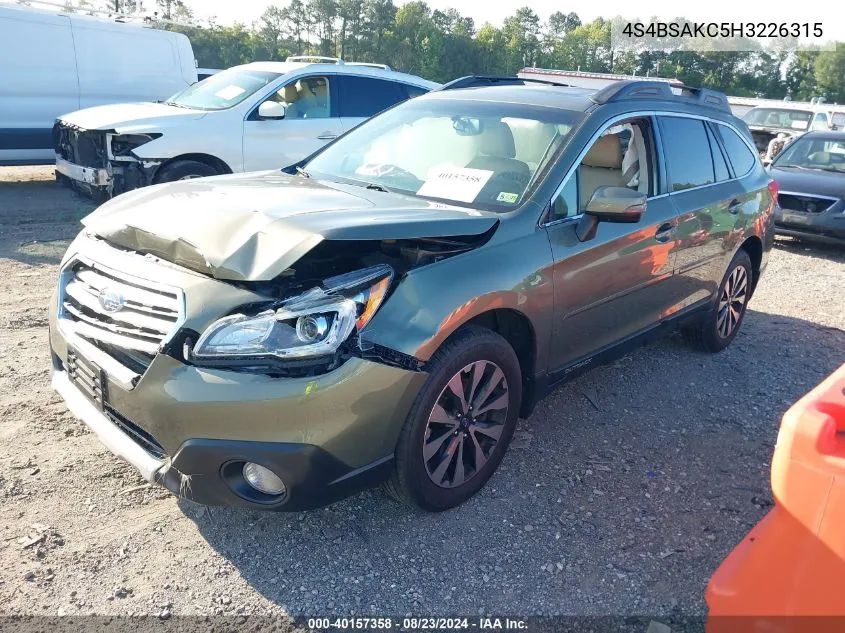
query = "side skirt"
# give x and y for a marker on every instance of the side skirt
(544, 384)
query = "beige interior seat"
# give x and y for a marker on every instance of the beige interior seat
(819, 158)
(312, 100)
(496, 152)
(602, 166)
(290, 94)
(532, 139)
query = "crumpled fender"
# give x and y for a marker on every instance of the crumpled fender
(431, 302)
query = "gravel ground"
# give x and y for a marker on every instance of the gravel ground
(620, 495)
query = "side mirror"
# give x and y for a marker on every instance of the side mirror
(271, 110)
(616, 204)
(610, 204)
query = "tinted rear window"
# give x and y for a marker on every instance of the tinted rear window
(366, 96)
(687, 153)
(741, 157)
(719, 163)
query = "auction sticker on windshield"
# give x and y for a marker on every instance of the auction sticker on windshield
(455, 183)
(229, 92)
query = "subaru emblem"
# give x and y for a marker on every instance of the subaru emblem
(111, 301)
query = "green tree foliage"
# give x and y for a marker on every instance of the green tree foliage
(830, 74)
(442, 45)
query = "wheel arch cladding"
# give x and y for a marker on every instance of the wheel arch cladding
(517, 330)
(754, 247)
(212, 161)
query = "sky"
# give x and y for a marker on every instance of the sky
(831, 14)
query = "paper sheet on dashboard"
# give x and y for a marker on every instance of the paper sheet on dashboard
(455, 183)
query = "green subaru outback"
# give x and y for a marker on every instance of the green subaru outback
(385, 310)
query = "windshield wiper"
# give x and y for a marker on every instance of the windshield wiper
(302, 172)
(375, 187)
(177, 105)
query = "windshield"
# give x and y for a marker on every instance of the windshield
(779, 118)
(223, 90)
(469, 153)
(813, 153)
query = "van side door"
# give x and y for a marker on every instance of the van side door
(119, 63)
(38, 83)
(311, 120)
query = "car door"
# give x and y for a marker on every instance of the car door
(710, 201)
(362, 97)
(618, 283)
(311, 120)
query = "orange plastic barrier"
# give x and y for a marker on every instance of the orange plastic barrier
(790, 569)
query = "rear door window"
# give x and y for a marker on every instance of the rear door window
(366, 96)
(741, 157)
(687, 153)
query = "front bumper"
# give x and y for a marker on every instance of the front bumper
(189, 428)
(825, 227)
(92, 176)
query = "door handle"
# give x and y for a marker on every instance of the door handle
(664, 232)
(327, 136)
(734, 205)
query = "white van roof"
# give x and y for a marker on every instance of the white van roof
(118, 21)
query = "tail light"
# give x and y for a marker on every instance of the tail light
(774, 189)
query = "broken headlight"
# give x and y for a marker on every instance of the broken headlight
(311, 325)
(122, 144)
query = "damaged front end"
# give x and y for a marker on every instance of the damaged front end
(763, 136)
(316, 311)
(314, 265)
(100, 162)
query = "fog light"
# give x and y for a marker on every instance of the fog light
(263, 479)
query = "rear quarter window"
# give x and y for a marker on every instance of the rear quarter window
(687, 153)
(741, 157)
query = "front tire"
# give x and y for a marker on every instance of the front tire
(184, 170)
(460, 424)
(722, 322)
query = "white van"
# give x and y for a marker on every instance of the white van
(53, 63)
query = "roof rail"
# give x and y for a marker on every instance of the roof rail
(643, 89)
(476, 81)
(369, 65)
(314, 59)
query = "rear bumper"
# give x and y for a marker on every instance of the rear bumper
(93, 176)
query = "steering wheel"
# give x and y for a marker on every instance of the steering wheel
(388, 171)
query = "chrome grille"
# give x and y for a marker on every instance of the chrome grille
(804, 203)
(118, 310)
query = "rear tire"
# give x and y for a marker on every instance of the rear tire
(722, 322)
(184, 170)
(452, 444)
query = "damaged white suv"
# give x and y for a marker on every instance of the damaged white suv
(257, 116)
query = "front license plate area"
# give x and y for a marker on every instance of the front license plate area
(88, 378)
(794, 218)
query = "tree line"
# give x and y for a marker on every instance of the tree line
(442, 45)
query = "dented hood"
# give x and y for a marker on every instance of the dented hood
(254, 226)
(129, 117)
